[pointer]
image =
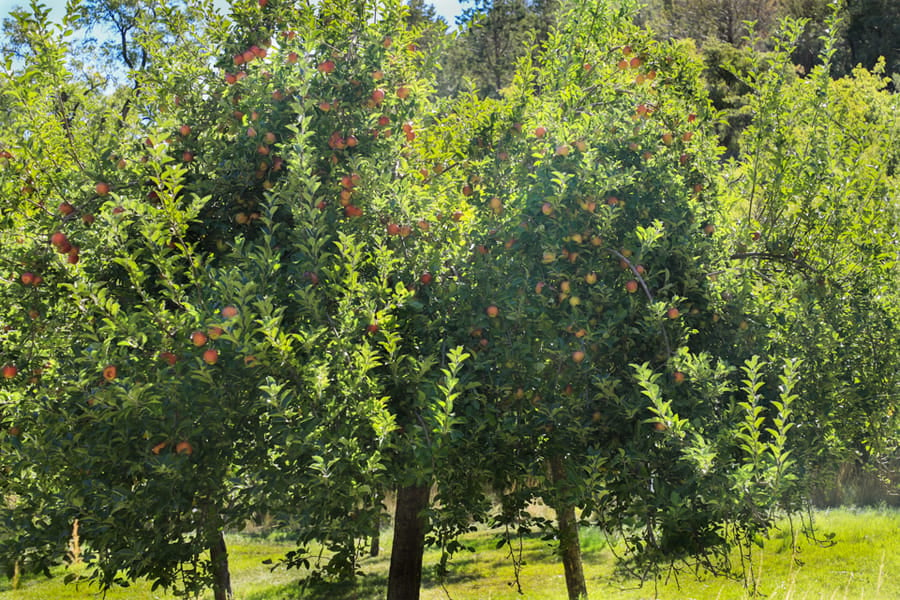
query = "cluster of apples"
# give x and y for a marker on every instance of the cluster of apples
(63, 246)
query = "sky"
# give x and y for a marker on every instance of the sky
(448, 9)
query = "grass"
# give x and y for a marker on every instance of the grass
(863, 564)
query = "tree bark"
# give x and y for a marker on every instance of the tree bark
(218, 554)
(405, 576)
(375, 542)
(569, 544)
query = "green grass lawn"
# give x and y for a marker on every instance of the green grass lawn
(863, 564)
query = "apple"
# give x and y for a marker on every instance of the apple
(292, 58)
(673, 313)
(678, 376)
(378, 75)
(496, 205)
(211, 356)
(539, 287)
(424, 225)
(10, 371)
(230, 312)
(14, 431)
(709, 229)
(184, 447)
(590, 278)
(372, 327)
(66, 209)
(635, 62)
(563, 150)
(578, 356)
(612, 201)
(59, 239)
(547, 208)
(102, 188)
(215, 332)
(467, 190)
(540, 132)
(631, 286)
(198, 338)
(686, 136)
(667, 138)
(72, 257)
(426, 278)
(403, 92)
(184, 130)
(110, 372)
(326, 67)
(622, 64)
(405, 231)
(393, 229)
(187, 156)
(87, 219)
(492, 311)
(565, 287)
(377, 96)
(159, 447)
(168, 357)
(27, 278)
(353, 211)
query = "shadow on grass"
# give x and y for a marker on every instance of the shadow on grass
(366, 587)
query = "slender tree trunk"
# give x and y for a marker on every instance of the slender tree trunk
(405, 577)
(17, 574)
(569, 544)
(221, 576)
(375, 543)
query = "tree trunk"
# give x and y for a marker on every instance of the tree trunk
(375, 543)
(17, 574)
(405, 577)
(218, 554)
(569, 544)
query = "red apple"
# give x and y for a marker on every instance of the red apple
(578, 356)
(184, 130)
(631, 286)
(10, 371)
(168, 357)
(102, 188)
(492, 311)
(426, 278)
(66, 209)
(198, 338)
(673, 313)
(184, 447)
(110, 372)
(211, 356)
(230, 312)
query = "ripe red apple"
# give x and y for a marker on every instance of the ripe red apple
(563, 150)
(87, 219)
(405, 231)
(424, 225)
(198, 338)
(426, 278)
(110, 372)
(211, 356)
(72, 257)
(393, 229)
(27, 278)
(184, 130)
(378, 96)
(230, 312)
(547, 208)
(678, 376)
(631, 286)
(59, 239)
(168, 357)
(673, 313)
(66, 209)
(403, 92)
(492, 311)
(578, 356)
(184, 447)
(215, 332)
(292, 58)
(709, 229)
(102, 188)
(372, 328)
(10, 371)
(187, 156)
(540, 132)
